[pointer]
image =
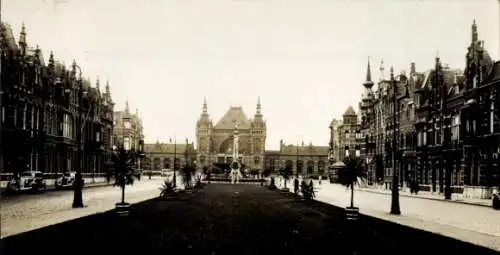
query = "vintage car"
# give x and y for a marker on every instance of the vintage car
(495, 200)
(66, 179)
(28, 180)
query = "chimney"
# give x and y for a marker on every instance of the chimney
(412, 68)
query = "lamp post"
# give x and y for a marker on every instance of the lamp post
(395, 208)
(77, 184)
(175, 163)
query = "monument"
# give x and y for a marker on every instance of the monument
(235, 165)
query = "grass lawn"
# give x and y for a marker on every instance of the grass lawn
(235, 219)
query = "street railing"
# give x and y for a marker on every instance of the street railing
(228, 180)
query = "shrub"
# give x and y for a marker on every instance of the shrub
(167, 189)
(308, 190)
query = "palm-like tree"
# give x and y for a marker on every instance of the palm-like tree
(122, 167)
(350, 175)
(187, 175)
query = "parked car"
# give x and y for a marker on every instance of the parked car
(66, 179)
(495, 201)
(28, 180)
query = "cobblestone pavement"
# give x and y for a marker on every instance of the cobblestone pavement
(35, 211)
(470, 223)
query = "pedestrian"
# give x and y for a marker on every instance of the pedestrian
(296, 186)
(320, 178)
(303, 186)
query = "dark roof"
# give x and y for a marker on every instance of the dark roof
(495, 72)
(8, 37)
(350, 112)
(450, 77)
(305, 150)
(166, 148)
(235, 113)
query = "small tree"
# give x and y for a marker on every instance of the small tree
(167, 189)
(286, 173)
(122, 166)
(349, 175)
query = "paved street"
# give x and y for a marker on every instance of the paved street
(231, 219)
(30, 212)
(472, 223)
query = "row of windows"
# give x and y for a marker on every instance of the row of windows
(437, 135)
(29, 118)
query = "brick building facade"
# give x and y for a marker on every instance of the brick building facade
(446, 126)
(215, 142)
(45, 108)
(306, 160)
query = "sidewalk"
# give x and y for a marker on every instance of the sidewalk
(431, 196)
(421, 195)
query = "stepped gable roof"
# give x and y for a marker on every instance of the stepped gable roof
(450, 77)
(166, 148)
(235, 113)
(350, 112)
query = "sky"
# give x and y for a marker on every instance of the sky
(305, 59)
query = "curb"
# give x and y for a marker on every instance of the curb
(52, 188)
(429, 198)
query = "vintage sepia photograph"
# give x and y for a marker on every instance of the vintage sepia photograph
(249, 127)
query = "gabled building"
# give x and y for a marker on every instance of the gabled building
(305, 160)
(128, 129)
(348, 133)
(45, 109)
(439, 152)
(215, 142)
(164, 156)
(480, 121)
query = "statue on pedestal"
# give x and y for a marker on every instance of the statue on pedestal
(235, 165)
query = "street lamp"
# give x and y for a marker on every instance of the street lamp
(395, 208)
(175, 163)
(78, 183)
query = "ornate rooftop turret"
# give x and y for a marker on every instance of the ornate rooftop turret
(368, 82)
(22, 40)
